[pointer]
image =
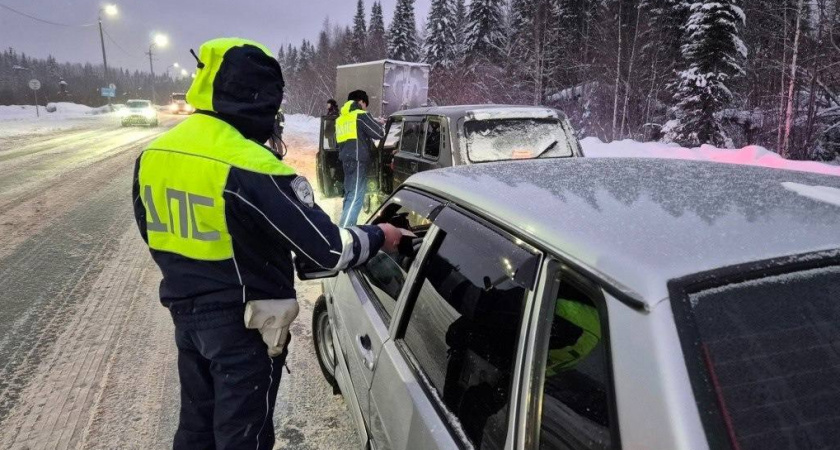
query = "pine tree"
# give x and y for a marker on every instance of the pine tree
(712, 52)
(459, 25)
(402, 37)
(359, 32)
(484, 35)
(439, 45)
(377, 41)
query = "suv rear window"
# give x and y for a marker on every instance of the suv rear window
(504, 139)
(138, 104)
(767, 359)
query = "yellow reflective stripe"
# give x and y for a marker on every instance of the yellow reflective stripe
(212, 53)
(209, 137)
(185, 207)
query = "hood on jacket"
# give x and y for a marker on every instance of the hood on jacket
(348, 106)
(240, 82)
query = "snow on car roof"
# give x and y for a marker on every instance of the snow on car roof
(639, 223)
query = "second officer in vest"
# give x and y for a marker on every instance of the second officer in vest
(222, 217)
(355, 131)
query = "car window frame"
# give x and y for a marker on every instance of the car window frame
(680, 291)
(441, 133)
(386, 317)
(556, 271)
(405, 307)
(388, 126)
(420, 140)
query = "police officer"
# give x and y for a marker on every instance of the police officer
(355, 130)
(222, 217)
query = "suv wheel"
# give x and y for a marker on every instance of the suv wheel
(322, 338)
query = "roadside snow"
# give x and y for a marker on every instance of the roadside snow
(18, 120)
(751, 155)
(301, 124)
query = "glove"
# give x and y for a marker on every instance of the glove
(272, 318)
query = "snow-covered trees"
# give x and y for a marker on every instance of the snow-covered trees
(357, 51)
(713, 54)
(377, 47)
(402, 36)
(484, 34)
(439, 46)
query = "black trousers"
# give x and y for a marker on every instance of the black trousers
(228, 388)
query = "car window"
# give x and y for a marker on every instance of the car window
(385, 273)
(464, 323)
(392, 137)
(328, 133)
(575, 405)
(412, 133)
(505, 139)
(767, 353)
(434, 139)
(138, 104)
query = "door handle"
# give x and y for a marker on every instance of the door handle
(363, 345)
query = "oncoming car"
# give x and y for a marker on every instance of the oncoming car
(595, 304)
(139, 112)
(178, 104)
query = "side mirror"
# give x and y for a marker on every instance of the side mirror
(306, 271)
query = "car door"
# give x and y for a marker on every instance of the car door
(567, 387)
(445, 379)
(364, 299)
(388, 148)
(407, 156)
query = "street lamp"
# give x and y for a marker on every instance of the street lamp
(109, 10)
(159, 41)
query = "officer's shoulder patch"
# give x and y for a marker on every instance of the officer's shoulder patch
(303, 191)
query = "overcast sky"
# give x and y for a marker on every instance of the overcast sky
(186, 22)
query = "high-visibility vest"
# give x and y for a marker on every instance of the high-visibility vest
(182, 179)
(584, 316)
(345, 124)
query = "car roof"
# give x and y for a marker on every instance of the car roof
(638, 223)
(458, 111)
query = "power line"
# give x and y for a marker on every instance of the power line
(38, 19)
(113, 41)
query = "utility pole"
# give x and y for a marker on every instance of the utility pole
(110, 10)
(160, 41)
(152, 70)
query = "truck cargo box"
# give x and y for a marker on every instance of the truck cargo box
(391, 85)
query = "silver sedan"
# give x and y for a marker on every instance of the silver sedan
(594, 304)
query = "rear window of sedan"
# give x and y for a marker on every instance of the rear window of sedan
(513, 138)
(765, 355)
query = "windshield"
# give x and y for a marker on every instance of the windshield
(137, 104)
(770, 352)
(504, 139)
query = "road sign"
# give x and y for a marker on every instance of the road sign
(109, 92)
(34, 84)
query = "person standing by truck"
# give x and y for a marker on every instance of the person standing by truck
(355, 131)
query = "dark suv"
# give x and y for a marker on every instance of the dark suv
(436, 137)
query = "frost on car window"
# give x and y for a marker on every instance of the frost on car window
(515, 138)
(771, 350)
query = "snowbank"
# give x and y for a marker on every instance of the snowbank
(301, 124)
(21, 119)
(751, 155)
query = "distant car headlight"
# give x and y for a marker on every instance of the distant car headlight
(149, 113)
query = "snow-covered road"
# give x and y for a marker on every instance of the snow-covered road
(87, 358)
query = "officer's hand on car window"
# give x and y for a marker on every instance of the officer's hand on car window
(392, 237)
